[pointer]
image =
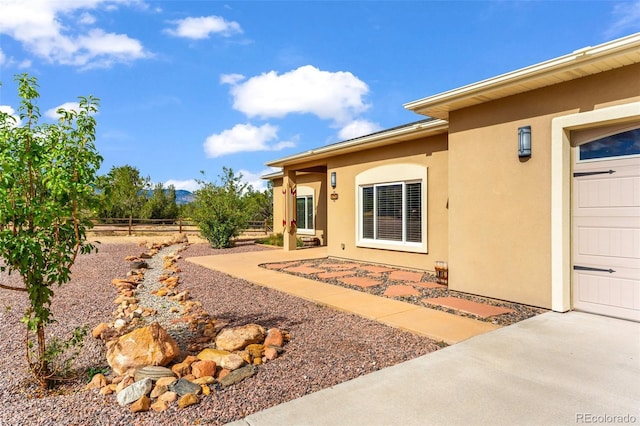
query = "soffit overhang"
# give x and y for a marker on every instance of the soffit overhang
(581, 63)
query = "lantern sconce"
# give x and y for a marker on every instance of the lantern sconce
(333, 180)
(524, 142)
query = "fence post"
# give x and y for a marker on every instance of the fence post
(130, 222)
(180, 226)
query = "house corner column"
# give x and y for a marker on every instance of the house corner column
(290, 228)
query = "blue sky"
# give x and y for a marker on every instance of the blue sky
(186, 86)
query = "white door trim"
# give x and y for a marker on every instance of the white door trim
(561, 191)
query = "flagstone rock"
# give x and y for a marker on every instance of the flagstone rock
(238, 375)
(183, 387)
(150, 345)
(141, 405)
(236, 338)
(134, 392)
(188, 400)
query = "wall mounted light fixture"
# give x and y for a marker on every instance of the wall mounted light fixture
(524, 141)
(333, 180)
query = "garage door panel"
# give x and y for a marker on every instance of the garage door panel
(606, 237)
(608, 242)
(607, 295)
(614, 192)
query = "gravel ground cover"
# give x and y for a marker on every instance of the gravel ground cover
(520, 312)
(327, 347)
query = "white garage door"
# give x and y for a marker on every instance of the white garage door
(606, 226)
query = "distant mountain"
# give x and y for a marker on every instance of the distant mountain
(183, 196)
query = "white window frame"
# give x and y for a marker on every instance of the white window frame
(306, 193)
(394, 174)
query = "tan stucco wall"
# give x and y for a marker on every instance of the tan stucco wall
(341, 213)
(316, 181)
(499, 212)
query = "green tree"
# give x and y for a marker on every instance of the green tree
(123, 192)
(161, 204)
(46, 177)
(259, 204)
(219, 209)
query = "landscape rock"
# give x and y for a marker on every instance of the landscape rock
(134, 392)
(203, 368)
(165, 381)
(238, 375)
(274, 337)
(270, 353)
(141, 405)
(160, 406)
(150, 345)
(159, 390)
(183, 387)
(98, 381)
(154, 372)
(99, 330)
(168, 397)
(236, 338)
(187, 400)
(224, 359)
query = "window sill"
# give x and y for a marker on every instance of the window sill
(405, 247)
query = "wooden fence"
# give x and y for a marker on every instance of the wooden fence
(130, 226)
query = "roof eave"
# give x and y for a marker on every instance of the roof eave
(439, 106)
(392, 136)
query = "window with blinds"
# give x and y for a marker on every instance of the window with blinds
(304, 210)
(392, 212)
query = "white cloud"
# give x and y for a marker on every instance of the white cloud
(189, 185)
(47, 29)
(358, 128)
(254, 179)
(87, 19)
(231, 78)
(243, 138)
(626, 19)
(69, 106)
(202, 27)
(8, 110)
(337, 96)
(3, 58)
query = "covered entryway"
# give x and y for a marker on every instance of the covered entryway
(606, 226)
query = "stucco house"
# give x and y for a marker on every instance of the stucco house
(527, 184)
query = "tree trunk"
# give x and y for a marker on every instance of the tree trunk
(42, 366)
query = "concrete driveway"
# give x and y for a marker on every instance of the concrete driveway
(563, 369)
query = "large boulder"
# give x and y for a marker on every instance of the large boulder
(236, 338)
(150, 345)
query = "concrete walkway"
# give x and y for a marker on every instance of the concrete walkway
(553, 369)
(438, 325)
